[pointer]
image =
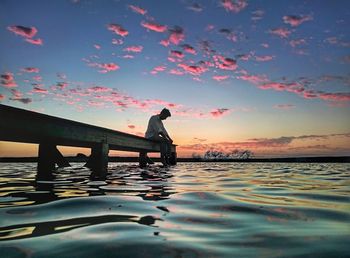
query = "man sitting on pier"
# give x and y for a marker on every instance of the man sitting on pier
(156, 132)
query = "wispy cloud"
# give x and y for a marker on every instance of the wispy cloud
(280, 32)
(154, 26)
(234, 5)
(195, 7)
(216, 113)
(189, 49)
(263, 58)
(134, 49)
(30, 70)
(176, 35)
(35, 41)
(8, 81)
(137, 9)
(225, 63)
(117, 29)
(295, 20)
(157, 69)
(284, 106)
(22, 100)
(193, 69)
(220, 78)
(257, 15)
(27, 32)
(297, 42)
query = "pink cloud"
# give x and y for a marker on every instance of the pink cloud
(35, 41)
(37, 78)
(255, 79)
(97, 46)
(158, 69)
(189, 49)
(297, 42)
(265, 45)
(273, 85)
(176, 72)
(216, 113)
(16, 93)
(131, 126)
(39, 90)
(193, 69)
(220, 78)
(23, 31)
(135, 49)
(295, 21)
(281, 32)
(117, 29)
(177, 54)
(309, 94)
(335, 96)
(108, 67)
(176, 35)
(30, 70)
(234, 5)
(337, 41)
(105, 67)
(8, 81)
(229, 34)
(225, 63)
(117, 41)
(165, 42)
(62, 85)
(137, 9)
(22, 100)
(209, 27)
(128, 56)
(263, 58)
(154, 26)
(2, 97)
(98, 89)
(284, 106)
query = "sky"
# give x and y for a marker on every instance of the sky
(271, 77)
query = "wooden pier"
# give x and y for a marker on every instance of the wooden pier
(19, 125)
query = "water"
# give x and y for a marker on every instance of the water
(190, 210)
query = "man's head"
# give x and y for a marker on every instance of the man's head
(164, 114)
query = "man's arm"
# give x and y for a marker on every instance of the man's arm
(166, 136)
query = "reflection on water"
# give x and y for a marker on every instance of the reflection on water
(190, 210)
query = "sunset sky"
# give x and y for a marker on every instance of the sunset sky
(269, 76)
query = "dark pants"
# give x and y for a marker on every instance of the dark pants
(165, 145)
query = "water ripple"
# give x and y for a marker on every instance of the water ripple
(191, 210)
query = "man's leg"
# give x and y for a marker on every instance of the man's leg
(163, 149)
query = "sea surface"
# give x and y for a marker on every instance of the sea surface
(188, 210)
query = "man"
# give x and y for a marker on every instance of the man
(156, 132)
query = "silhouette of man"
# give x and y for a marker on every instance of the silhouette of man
(157, 132)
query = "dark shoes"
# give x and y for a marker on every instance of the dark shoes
(149, 161)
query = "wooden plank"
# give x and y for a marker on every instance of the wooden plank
(30, 127)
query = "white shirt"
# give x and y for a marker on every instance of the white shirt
(155, 126)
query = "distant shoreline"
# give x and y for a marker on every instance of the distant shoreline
(342, 159)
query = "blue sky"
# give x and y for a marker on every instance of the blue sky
(231, 72)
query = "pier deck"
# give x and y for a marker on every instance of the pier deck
(19, 125)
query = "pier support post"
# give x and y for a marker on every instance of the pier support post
(98, 160)
(142, 160)
(49, 156)
(173, 158)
